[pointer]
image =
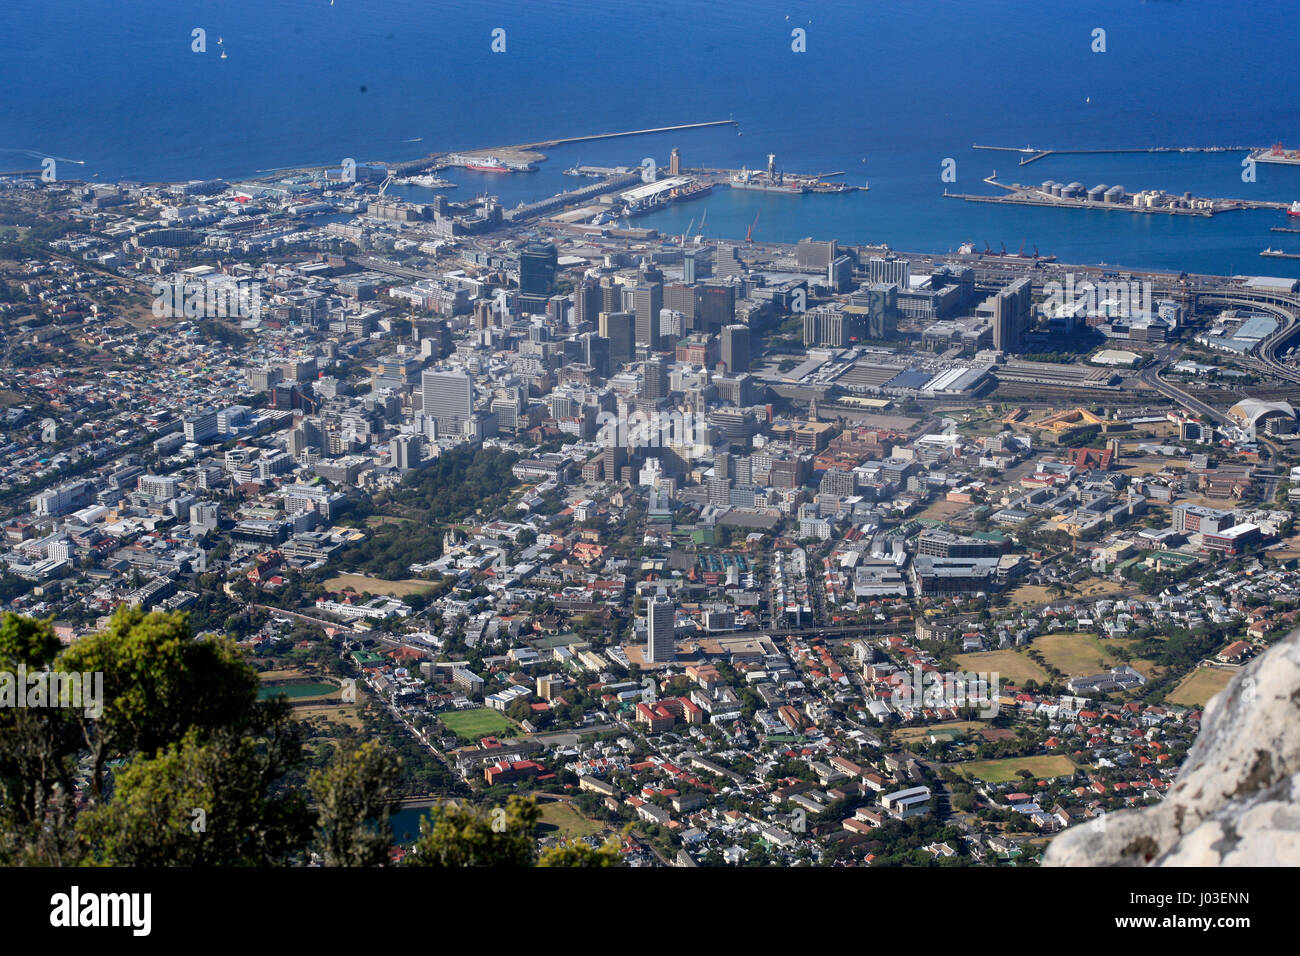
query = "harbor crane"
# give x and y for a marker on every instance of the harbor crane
(749, 236)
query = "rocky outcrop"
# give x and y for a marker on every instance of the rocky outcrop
(1236, 801)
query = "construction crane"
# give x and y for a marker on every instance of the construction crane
(749, 236)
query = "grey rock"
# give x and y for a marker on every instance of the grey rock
(1236, 801)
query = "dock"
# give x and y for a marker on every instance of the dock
(1149, 202)
(1030, 154)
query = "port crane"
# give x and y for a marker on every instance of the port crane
(689, 226)
(749, 236)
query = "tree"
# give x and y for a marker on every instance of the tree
(452, 835)
(158, 684)
(577, 853)
(206, 801)
(356, 795)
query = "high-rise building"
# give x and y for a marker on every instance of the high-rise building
(1011, 309)
(889, 269)
(586, 303)
(697, 263)
(447, 398)
(716, 307)
(620, 329)
(404, 452)
(674, 163)
(648, 301)
(537, 264)
(595, 352)
(735, 348)
(654, 382)
(660, 619)
(814, 256)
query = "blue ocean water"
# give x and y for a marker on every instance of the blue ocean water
(886, 91)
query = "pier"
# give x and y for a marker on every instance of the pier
(1029, 154)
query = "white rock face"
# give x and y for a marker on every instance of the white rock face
(1236, 801)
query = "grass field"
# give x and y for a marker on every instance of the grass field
(1005, 771)
(362, 583)
(1076, 654)
(1199, 686)
(1007, 664)
(346, 714)
(910, 734)
(309, 691)
(561, 819)
(473, 724)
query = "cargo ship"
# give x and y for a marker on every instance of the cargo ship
(1277, 153)
(759, 182)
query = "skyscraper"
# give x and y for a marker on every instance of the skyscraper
(620, 329)
(735, 348)
(654, 382)
(448, 398)
(1011, 309)
(648, 300)
(537, 263)
(661, 619)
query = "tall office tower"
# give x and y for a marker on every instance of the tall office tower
(485, 314)
(595, 352)
(586, 303)
(744, 469)
(654, 382)
(889, 269)
(557, 309)
(812, 255)
(722, 465)
(615, 459)
(674, 163)
(620, 329)
(611, 296)
(404, 452)
(660, 620)
(735, 348)
(880, 320)
(716, 308)
(647, 301)
(537, 264)
(681, 297)
(697, 263)
(448, 398)
(1011, 309)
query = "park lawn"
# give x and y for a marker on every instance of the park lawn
(477, 723)
(362, 583)
(346, 714)
(1005, 771)
(299, 691)
(910, 734)
(1030, 594)
(1009, 665)
(1076, 653)
(557, 815)
(1199, 686)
